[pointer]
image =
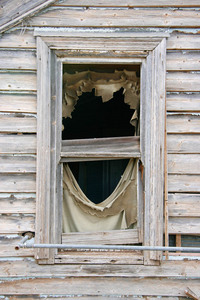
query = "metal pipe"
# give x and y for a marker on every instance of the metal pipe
(21, 244)
(109, 247)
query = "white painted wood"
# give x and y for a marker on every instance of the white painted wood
(18, 81)
(17, 60)
(183, 61)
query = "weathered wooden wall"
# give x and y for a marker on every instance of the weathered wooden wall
(19, 272)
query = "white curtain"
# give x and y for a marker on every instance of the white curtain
(118, 211)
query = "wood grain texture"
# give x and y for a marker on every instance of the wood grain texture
(10, 224)
(18, 183)
(23, 103)
(183, 143)
(183, 225)
(184, 205)
(18, 39)
(17, 60)
(183, 82)
(183, 102)
(7, 248)
(17, 164)
(15, 123)
(128, 3)
(117, 18)
(98, 286)
(183, 123)
(183, 61)
(184, 163)
(18, 143)
(17, 203)
(18, 81)
(184, 183)
(181, 41)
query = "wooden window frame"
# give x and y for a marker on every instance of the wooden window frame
(55, 48)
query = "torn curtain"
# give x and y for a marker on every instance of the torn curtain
(118, 211)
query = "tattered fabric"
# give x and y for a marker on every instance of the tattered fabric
(118, 211)
(105, 84)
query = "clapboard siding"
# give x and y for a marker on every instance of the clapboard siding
(19, 39)
(184, 205)
(19, 81)
(184, 163)
(16, 143)
(182, 82)
(183, 143)
(17, 60)
(17, 183)
(117, 18)
(183, 102)
(17, 164)
(183, 61)
(23, 103)
(9, 251)
(17, 123)
(181, 41)
(184, 225)
(16, 223)
(183, 123)
(17, 203)
(183, 183)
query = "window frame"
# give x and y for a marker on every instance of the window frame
(52, 51)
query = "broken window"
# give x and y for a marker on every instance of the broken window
(100, 103)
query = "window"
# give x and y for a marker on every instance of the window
(58, 53)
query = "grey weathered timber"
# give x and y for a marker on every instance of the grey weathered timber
(20, 81)
(183, 123)
(183, 61)
(116, 237)
(17, 203)
(184, 183)
(184, 163)
(17, 143)
(17, 123)
(182, 41)
(12, 240)
(17, 183)
(19, 39)
(184, 205)
(182, 82)
(17, 60)
(184, 225)
(10, 224)
(117, 18)
(183, 143)
(17, 164)
(16, 102)
(183, 102)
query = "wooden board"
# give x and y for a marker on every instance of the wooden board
(18, 183)
(10, 224)
(183, 102)
(184, 183)
(129, 3)
(182, 82)
(98, 286)
(183, 123)
(7, 247)
(183, 61)
(115, 237)
(181, 41)
(17, 123)
(23, 103)
(183, 225)
(17, 164)
(18, 39)
(17, 203)
(18, 143)
(183, 143)
(123, 147)
(184, 163)
(117, 18)
(184, 205)
(18, 81)
(17, 60)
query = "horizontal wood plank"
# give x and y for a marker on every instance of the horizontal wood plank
(115, 237)
(182, 82)
(183, 123)
(183, 143)
(18, 143)
(181, 41)
(99, 286)
(184, 183)
(18, 39)
(183, 225)
(18, 103)
(165, 269)
(184, 205)
(183, 61)
(17, 183)
(17, 123)
(117, 18)
(129, 3)
(17, 60)
(183, 102)
(122, 147)
(10, 224)
(7, 247)
(17, 164)
(184, 163)
(17, 203)
(18, 81)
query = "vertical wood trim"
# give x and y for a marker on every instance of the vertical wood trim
(43, 149)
